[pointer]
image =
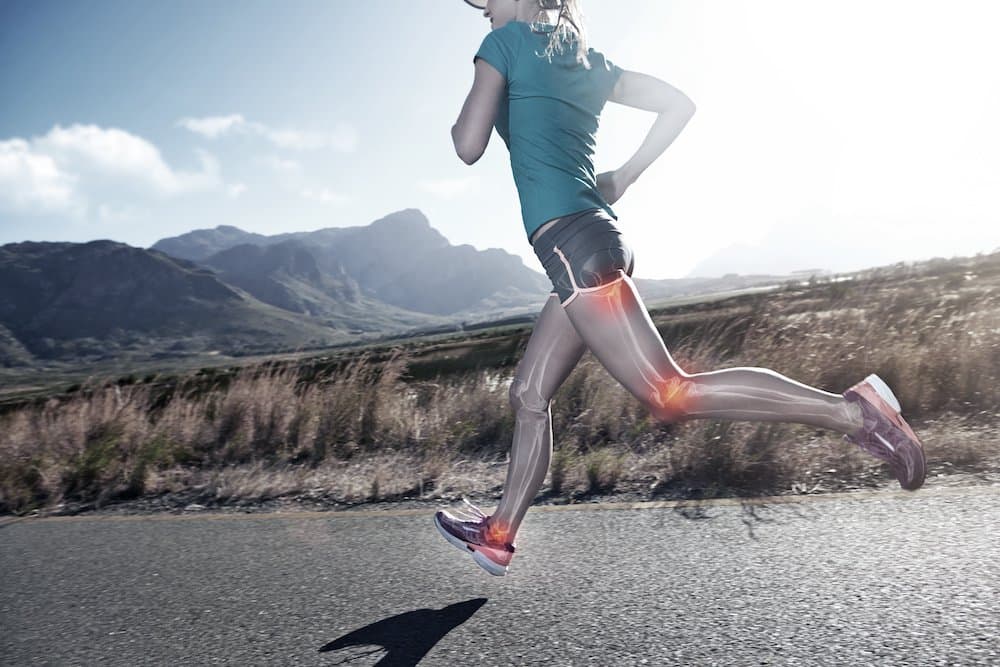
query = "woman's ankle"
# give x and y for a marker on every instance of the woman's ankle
(855, 417)
(498, 530)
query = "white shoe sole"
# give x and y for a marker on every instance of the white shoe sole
(882, 389)
(481, 560)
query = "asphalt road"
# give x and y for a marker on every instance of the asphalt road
(888, 578)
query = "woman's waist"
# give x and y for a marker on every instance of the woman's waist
(564, 221)
(543, 164)
(544, 228)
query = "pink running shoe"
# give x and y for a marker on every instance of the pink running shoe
(885, 434)
(473, 535)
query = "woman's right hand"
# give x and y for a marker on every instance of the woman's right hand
(611, 185)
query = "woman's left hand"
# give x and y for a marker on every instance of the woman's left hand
(611, 185)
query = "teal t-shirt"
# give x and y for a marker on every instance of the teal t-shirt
(549, 120)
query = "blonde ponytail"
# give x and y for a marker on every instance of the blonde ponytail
(569, 28)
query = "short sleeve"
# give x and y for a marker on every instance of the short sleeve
(499, 49)
(614, 72)
(609, 72)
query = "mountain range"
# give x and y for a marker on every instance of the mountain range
(234, 292)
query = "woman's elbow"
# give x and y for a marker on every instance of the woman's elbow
(469, 157)
(468, 152)
(469, 149)
(686, 104)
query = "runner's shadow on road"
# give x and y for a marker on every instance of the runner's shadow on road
(406, 637)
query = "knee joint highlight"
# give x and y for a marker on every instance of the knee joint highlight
(523, 395)
(674, 399)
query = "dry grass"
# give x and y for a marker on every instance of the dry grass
(366, 432)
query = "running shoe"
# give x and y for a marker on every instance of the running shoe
(474, 535)
(885, 433)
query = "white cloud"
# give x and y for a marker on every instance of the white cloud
(33, 181)
(342, 138)
(236, 189)
(111, 154)
(325, 196)
(448, 188)
(212, 126)
(87, 167)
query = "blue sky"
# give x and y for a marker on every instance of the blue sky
(836, 136)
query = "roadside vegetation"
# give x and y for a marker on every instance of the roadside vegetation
(380, 427)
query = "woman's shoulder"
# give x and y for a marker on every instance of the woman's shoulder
(600, 60)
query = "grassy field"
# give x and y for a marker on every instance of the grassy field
(430, 418)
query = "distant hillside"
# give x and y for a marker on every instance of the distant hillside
(287, 275)
(61, 300)
(88, 289)
(398, 260)
(401, 261)
(202, 243)
(282, 274)
(228, 291)
(13, 353)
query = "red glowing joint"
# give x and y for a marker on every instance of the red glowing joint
(497, 532)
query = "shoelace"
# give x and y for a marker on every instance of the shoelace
(476, 513)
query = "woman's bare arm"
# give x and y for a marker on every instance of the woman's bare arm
(471, 132)
(675, 109)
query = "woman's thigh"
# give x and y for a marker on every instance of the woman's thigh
(590, 267)
(554, 349)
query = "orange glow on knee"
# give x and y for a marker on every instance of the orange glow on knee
(676, 396)
(673, 397)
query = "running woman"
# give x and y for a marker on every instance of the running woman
(537, 82)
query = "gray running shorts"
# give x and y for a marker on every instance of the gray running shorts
(583, 252)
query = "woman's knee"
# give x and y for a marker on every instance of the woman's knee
(523, 395)
(674, 399)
